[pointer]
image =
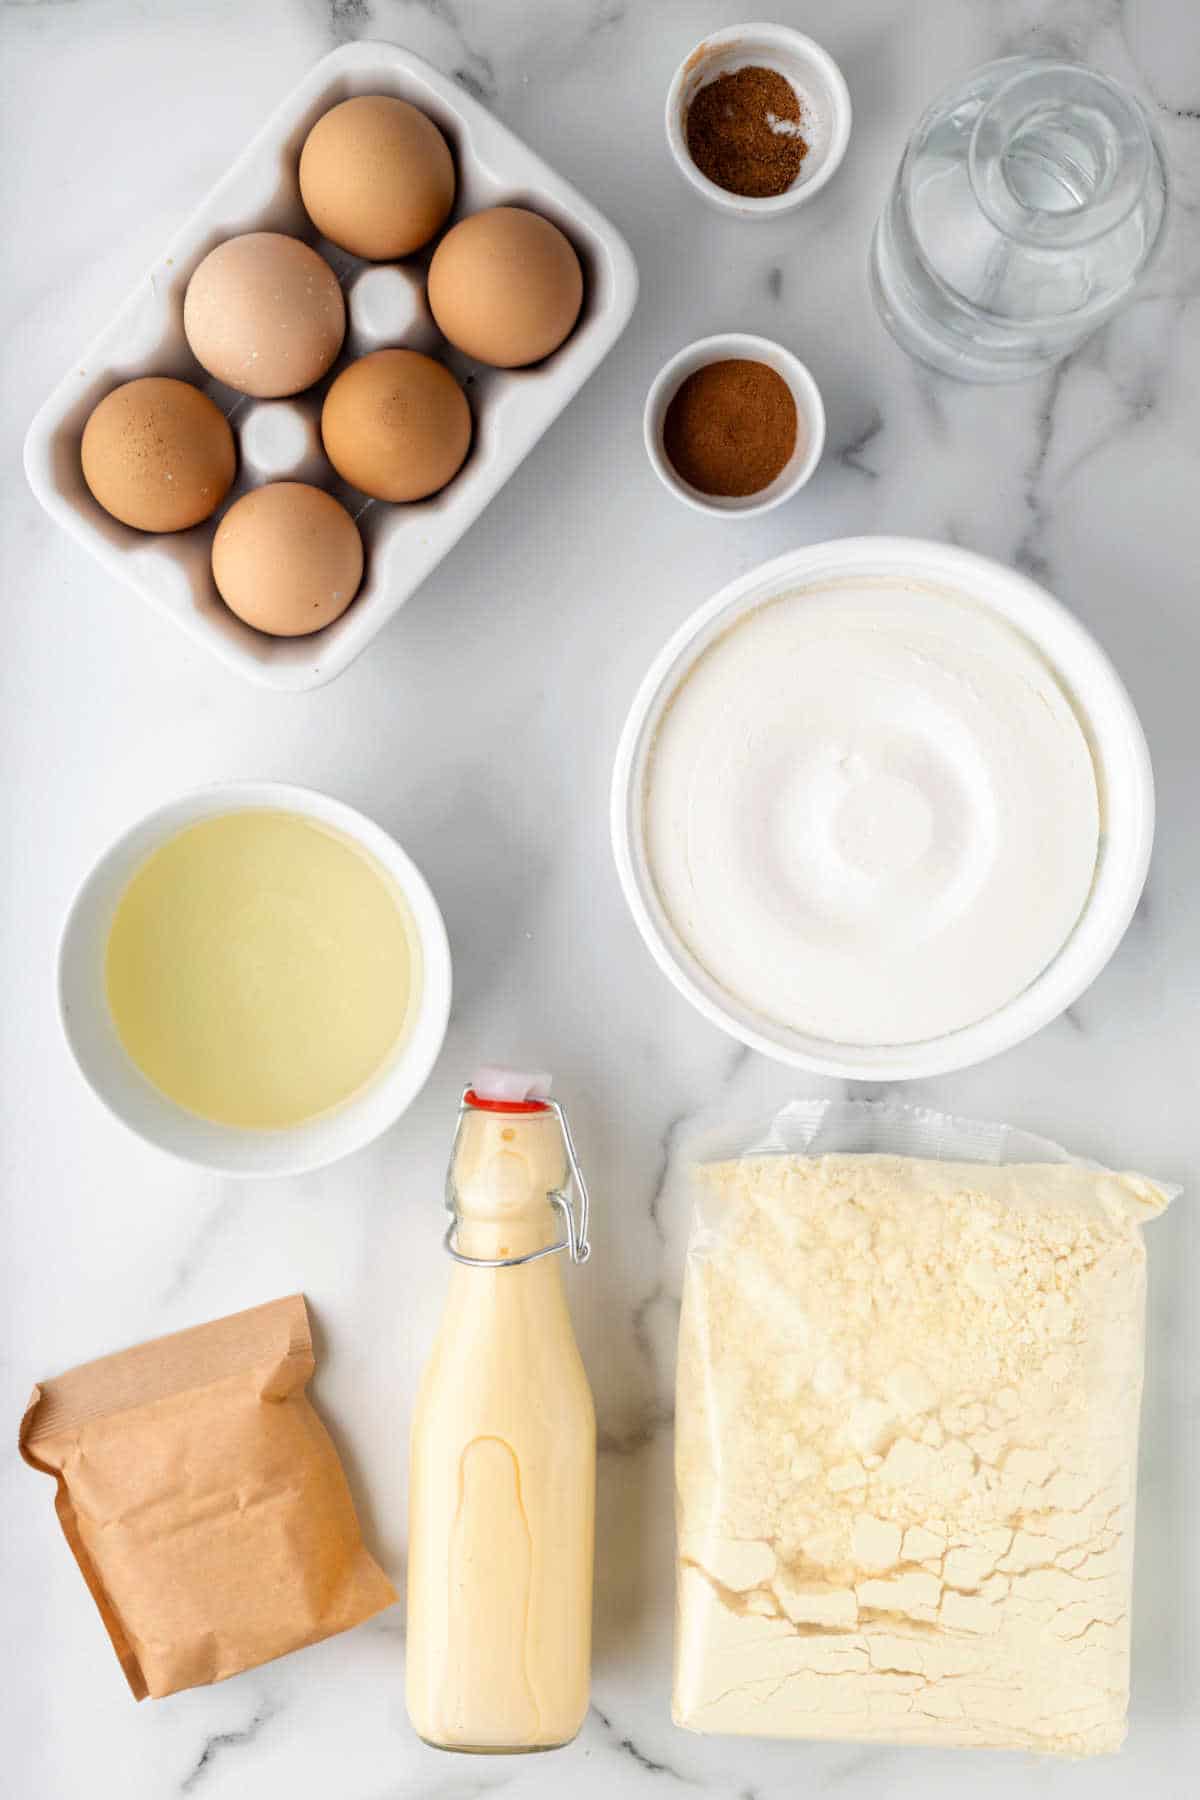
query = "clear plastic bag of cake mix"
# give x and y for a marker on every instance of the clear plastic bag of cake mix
(910, 1370)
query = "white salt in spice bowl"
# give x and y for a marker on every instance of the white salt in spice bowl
(819, 86)
(735, 346)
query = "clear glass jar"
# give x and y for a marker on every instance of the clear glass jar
(1028, 202)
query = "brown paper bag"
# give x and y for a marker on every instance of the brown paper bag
(203, 1499)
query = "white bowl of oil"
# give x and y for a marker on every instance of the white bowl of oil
(255, 978)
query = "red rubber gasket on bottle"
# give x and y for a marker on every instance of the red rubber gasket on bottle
(472, 1099)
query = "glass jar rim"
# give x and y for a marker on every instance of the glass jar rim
(1041, 93)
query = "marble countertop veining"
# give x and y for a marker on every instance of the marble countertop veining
(480, 728)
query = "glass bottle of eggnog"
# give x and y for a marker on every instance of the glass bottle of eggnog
(503, 1458)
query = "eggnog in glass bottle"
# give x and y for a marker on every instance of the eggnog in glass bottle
(503, 1457)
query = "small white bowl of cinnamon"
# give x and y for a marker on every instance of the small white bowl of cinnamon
(758, 119)
(734, 424)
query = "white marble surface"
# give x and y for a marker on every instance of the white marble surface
(480, 728)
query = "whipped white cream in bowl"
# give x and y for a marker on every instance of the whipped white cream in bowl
(882, 808)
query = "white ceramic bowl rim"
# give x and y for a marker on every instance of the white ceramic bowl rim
(124, 1090)
(1106, 714)
(810, 411)
(780, 47)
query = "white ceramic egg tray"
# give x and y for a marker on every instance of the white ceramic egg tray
(280, 440)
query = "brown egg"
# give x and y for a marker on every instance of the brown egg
(158, 454)
(396, 424)
(265, 314)
(377, 177)
(287, 558)
(505, 286)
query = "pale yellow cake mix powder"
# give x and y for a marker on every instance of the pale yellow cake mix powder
(906, 1451)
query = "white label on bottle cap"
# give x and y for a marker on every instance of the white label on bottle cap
(511, 1085)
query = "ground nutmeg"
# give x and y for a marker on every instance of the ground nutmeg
(743, 132)
(730, 428)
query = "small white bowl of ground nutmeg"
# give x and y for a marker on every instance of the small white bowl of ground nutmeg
(734, 424)
(758, 119)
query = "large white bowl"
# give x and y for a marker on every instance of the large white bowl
(1105, 711)
(120, 1084)
(512, 407)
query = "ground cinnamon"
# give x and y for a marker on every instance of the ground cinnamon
(730, 428)
(743, 132)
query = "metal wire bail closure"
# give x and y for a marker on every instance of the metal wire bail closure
(574, 1239)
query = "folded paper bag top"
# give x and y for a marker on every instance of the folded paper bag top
(203, 1499)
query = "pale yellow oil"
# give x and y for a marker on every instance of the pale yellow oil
(261, 969)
